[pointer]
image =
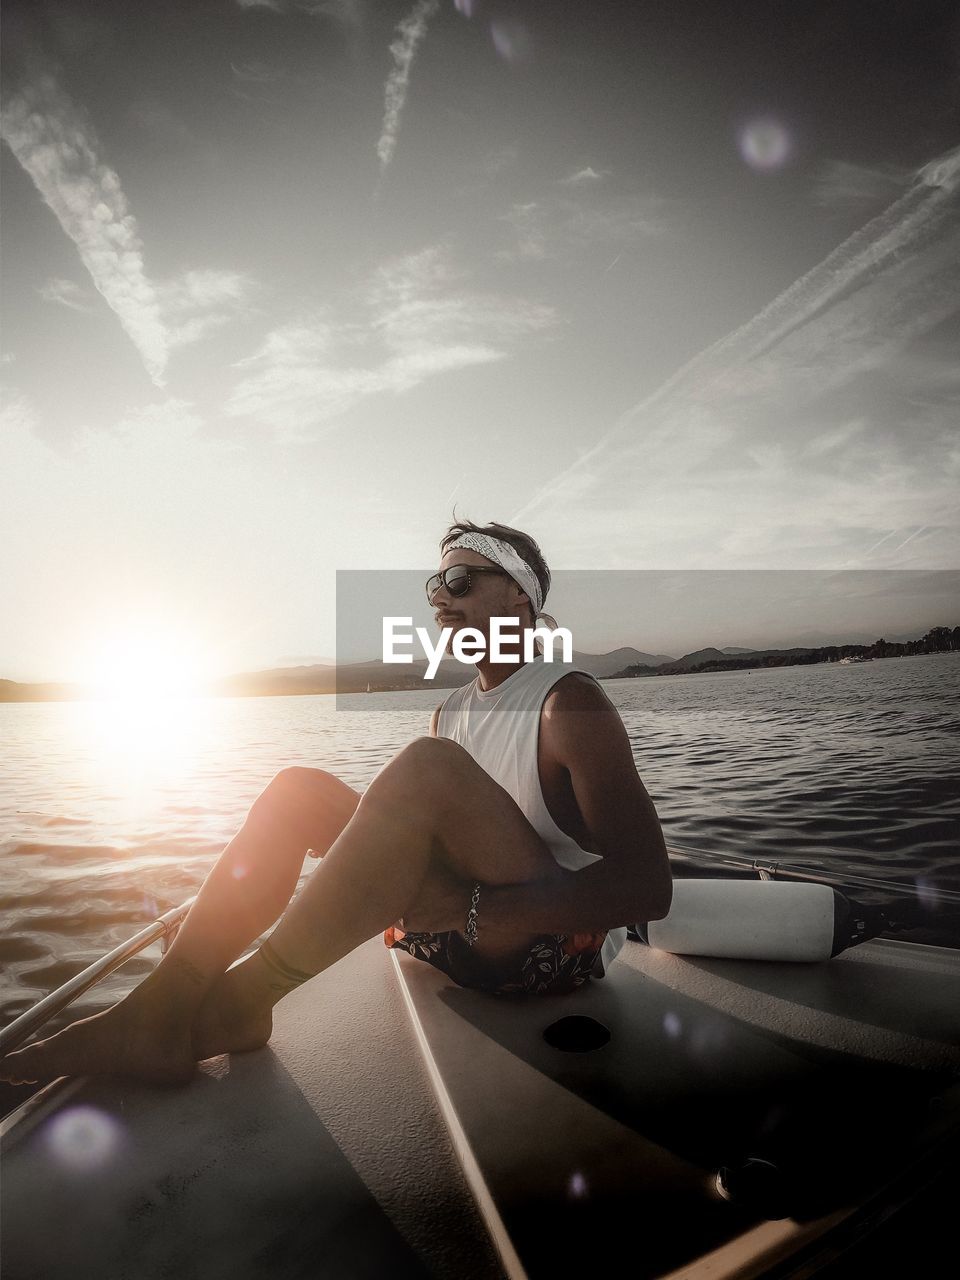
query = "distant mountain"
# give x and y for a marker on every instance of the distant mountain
(355, 676)
(603, 665)
(307, 660)
(702, 656)
(350, 677)
(694, 659)
(726, 658)
(17, 691)
(277, 680)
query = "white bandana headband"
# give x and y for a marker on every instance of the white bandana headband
(506, 557)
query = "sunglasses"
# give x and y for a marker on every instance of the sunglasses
(456, 579)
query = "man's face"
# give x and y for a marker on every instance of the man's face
(491, 595)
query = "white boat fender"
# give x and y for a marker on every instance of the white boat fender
(764, 920)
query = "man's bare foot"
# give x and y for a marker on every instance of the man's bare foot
(124, 1040)
(235, 1016)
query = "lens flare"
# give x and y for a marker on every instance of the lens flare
(671, 1024)
(577, 1186)
(510, 40)
(465, 7)
(765, 145)
(927, 894)
(83, 1138)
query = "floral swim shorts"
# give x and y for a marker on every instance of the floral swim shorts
(555, 964)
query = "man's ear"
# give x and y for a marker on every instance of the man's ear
(523, 598)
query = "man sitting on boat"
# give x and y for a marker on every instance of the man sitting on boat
(510, 848)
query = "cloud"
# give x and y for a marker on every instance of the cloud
(349, 14)
(585, 176)
(415, 319)
(57, 147)
(807, 434)
(200, 301)
(842, 185)
(411, 32)
(528, 221)
(66, 293)
(256, 73)
(560, 226)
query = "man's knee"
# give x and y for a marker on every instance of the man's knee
(422, 770)
(314, 803)
(432, 749)
(297, 777)
(297, 788)
(433, 760)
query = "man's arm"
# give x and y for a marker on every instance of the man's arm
(434, 721)
(582, 731)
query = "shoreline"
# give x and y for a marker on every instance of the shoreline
(14, 692)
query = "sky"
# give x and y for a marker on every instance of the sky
(673, 286)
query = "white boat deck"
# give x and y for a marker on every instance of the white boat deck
(323, 1154)
(328, 1152)
(844, 1074)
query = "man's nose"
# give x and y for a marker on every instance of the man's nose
(440, 594)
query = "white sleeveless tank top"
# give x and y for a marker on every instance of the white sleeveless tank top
(501, 730)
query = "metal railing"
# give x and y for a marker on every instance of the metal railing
(770, 870)
(163, 928)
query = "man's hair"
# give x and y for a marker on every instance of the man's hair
(522, 543)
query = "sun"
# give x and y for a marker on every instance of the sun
(146, 661)
(143, 715)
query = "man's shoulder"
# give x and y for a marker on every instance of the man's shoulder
(576, 684)
(579, 722)
(576, 700)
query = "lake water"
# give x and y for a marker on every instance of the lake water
(110, 813)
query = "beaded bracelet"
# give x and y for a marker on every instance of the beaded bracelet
(471, 930)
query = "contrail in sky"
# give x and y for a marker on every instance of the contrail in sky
(877, 249)
(411, 32)
(54, 144)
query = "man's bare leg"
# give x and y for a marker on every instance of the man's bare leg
(431, 811)
(148, 1033)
